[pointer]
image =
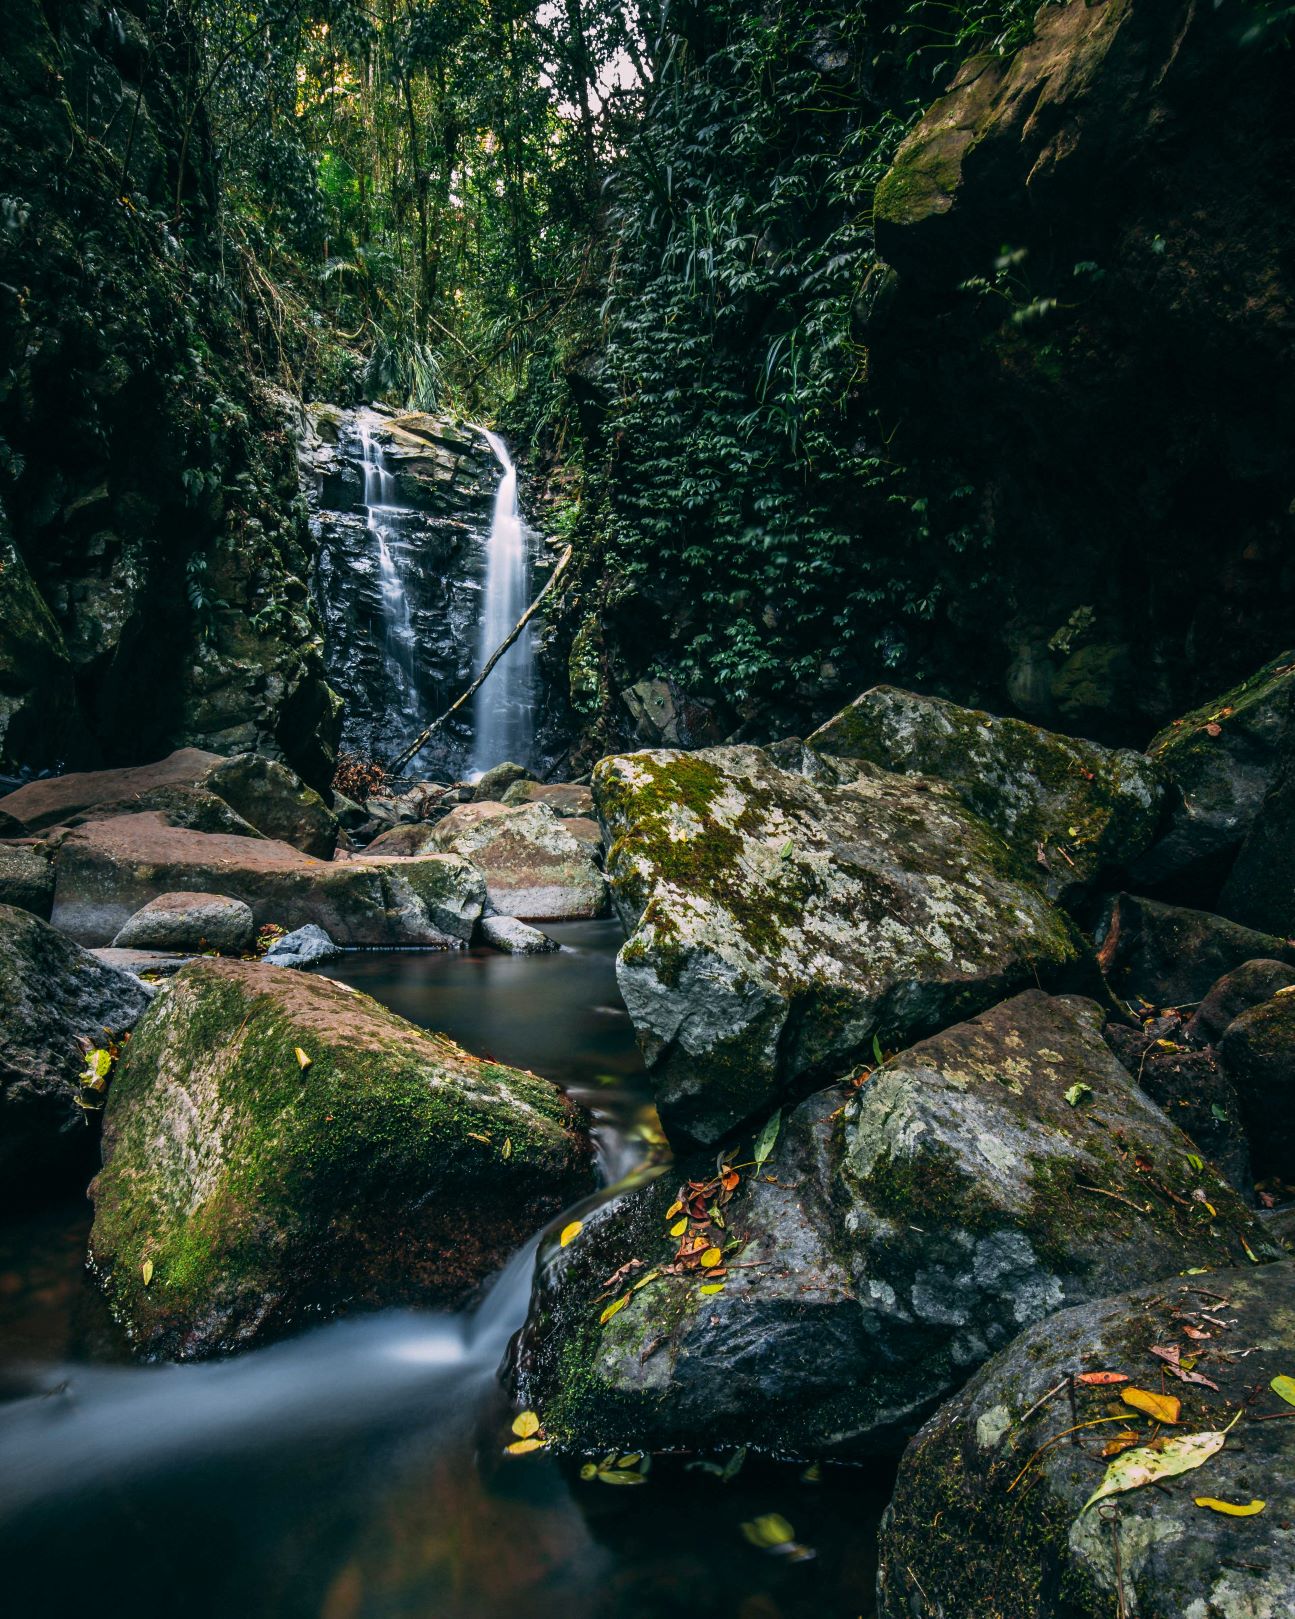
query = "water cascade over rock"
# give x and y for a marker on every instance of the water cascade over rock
(503, 716)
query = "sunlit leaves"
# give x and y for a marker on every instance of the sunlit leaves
(1163, 1458)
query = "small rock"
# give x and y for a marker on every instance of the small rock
(410, 838)
(1169, 955)
(160, 963)
(190, 921)
(1257, 1053)
(1251, 984)
(957, 1528)
(515, 938)
(563, 798)
(497, 779)
(304, 947)
(26, 880)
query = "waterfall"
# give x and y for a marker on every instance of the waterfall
(504, 708)
(397, 631)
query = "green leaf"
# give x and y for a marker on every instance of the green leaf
(768, 1530)
(767, 1139)
(1285, 1387)
(1077, 1092)
(1163, 1458)
(879, 1056)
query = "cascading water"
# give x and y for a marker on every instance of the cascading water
(504, 708)
(397, 631)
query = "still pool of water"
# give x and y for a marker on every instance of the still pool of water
(356, 1471)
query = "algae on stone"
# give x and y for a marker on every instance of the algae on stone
(392, 1168)
(776, 926)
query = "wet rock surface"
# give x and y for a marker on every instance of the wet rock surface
(776, 926)
(1257, 1054)
(1073, 806)
(53, 996)
(26, 879)
(107, 870)
(897, 1236)
(264, 1192)
(990, 1506)
(192, 922)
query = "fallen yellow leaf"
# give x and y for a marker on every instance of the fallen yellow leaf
(526, 1423)
(713, 1287)
(711, 1258)
(675, 1208)
(302, 1059)
(610, 1311)
(146, 1271)
(1233, 1509)
(523, 1447)
(571, 1232)
(679, 1227)
(1163, 1407)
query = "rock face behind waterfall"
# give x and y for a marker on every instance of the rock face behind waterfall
(444, 479)
(778, 926)
(262, 1192)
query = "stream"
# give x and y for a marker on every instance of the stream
(356, 1470)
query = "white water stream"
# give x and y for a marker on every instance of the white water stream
(504, 707)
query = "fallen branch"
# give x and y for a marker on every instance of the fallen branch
(425, 736)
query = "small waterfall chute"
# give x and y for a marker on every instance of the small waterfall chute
(381, 510)
(504, 712)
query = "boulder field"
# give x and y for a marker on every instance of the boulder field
(819, 1298)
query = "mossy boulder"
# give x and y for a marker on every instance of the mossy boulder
(537, 867)
(105, 871)
(989, 1516)
(776, 926)
(1221, 758)
(1171, 955)
(1257, 1053)
(564, 798)
(395, 1168)
(192, 922)
(898, 1235)
(1250, 984)
(53, 997)
(493, 783)
(1070, 808)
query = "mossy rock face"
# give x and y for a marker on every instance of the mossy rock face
(276, 801)
(897, 1237)
(1221, 759)
(1001, 120)
(1069, 807)
(107, 870)
(394, 1168)
(53, 995)
(777, 925)
(988, 1514)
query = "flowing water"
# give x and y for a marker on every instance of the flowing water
(504, 709)
(356, 1471)
(382, 512)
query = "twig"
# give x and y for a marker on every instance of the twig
(1138, 1208)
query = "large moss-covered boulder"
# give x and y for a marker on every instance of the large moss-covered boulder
(55, 999)
(105, 871)
(777, 926)
(246, 794)
(1070, 807)
(1260, 887)
(989, 1514)
(537, 867)
(895, 1238)
(1221, 759)
(261, 1193)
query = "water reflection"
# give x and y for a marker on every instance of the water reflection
(356, 1471)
